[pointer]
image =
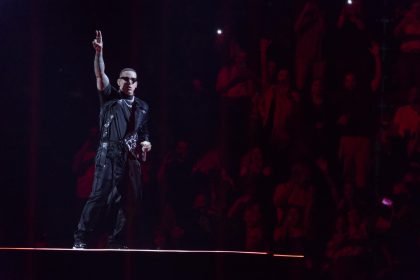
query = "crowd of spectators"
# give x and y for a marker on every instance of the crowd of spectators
(301, 157)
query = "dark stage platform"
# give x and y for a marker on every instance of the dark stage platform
(57, 263)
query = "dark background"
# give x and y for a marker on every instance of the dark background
(49, 97)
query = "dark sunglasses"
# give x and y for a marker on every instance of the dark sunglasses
(127, 79)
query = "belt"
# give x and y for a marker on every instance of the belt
(112, 143)
(119, 144)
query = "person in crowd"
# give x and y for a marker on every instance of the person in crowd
(247, 229)
(282, 121)
(201, 230)
(268, 66)
(350, 247)
(255, 232)
(255, 176)
(310, 29)
(289, 235)
(319, 114)
(406, 123)
(236, 87)
(408, 31)
(174, 178)
(297, 192)
(355, 106)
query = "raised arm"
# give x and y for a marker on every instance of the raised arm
(408, 18)
(376, 82)
(264, 44)
(307, 15)
(102, 80)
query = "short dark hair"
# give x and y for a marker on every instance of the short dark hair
(127, 69)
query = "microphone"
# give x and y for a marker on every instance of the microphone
(143, 156)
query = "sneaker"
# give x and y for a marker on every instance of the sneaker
(79, 245)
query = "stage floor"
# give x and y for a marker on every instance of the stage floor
(64, 263)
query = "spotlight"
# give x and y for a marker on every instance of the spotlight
(219, 31)
(387, 202)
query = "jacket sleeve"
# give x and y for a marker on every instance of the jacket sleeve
(144, 132)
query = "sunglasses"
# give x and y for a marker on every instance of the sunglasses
(127, 79)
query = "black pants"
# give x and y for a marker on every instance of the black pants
(116, 185)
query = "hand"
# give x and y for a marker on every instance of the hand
(98, 43)
(375, 49)
(146, 146)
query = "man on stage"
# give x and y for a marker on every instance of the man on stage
(123, 132)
